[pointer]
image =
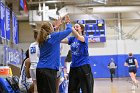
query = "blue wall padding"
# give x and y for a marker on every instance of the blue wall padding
(99, 65)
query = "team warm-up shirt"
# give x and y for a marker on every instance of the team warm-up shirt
(131, 61)
(50, 49)
(79, 51)
(34, 54)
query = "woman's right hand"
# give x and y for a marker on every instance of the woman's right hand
(58, 23)
(67, 19)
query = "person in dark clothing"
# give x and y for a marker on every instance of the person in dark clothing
(67, 64)
(132, 64)
(112, 66)
(68, 57)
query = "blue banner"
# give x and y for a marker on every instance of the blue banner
(15, 29)
(12, 56)
(2, 19)
(8, 30)
(22, 4)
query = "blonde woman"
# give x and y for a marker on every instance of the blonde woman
(49, 60)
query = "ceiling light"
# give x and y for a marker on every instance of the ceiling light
(100, 1)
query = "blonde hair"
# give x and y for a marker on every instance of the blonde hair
(130, 54)
(44, 32)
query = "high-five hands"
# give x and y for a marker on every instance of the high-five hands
(57, 23)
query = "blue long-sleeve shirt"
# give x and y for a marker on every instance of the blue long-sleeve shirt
(50, 49)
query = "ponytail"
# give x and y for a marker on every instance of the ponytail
(44, 32)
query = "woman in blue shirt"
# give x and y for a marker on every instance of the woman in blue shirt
(80, 75)
(49, 60)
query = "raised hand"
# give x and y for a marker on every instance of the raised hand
(57, 23)
(67, 19)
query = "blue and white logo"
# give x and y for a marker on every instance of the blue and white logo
(75, 48)
(33, 50)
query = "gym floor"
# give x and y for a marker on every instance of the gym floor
(121, 85)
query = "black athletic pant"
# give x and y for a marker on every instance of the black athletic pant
(46, 80)
(81, 77)
(112, 72)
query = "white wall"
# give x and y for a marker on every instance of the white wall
(24, 46)
(132, 28)
(25, 32)
(129, 27)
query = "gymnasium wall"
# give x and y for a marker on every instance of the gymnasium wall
(100, 53)
(25, 32)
